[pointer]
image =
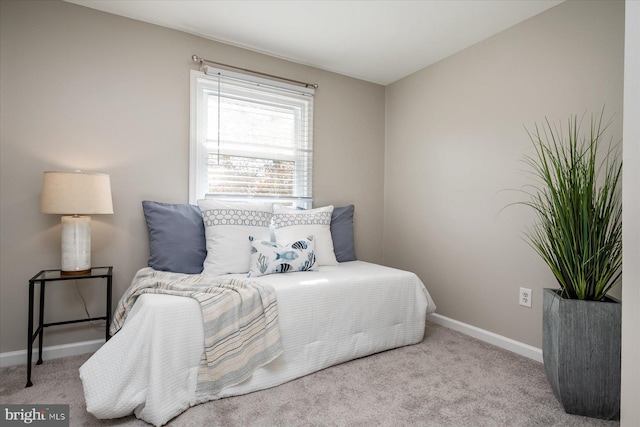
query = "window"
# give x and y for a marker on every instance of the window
(250, 138)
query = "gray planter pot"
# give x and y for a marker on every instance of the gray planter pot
(581, 353)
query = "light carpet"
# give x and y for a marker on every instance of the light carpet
(449, 379)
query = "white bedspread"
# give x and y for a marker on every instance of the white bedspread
(336, 314)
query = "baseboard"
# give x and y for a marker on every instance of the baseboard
(19, 357)
(489, 337)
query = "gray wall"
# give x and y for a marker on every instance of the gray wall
(82, 89)
(454, 144)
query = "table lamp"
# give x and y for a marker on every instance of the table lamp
(76, 194)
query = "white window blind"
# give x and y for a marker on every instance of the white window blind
(250, 138)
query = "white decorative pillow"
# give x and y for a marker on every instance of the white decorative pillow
(227, 227)
(292, 224)
(269, 258)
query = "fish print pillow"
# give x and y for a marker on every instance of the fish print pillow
(269, 257)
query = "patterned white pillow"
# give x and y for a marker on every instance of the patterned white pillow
(292, 224)
(227, 227)
(269, 258)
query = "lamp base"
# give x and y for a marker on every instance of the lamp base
(76, 244)
(75, 273)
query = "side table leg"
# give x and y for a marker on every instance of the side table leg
(41, 320)
(30, 337)
(108, 321)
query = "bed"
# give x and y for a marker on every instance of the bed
(329, 315)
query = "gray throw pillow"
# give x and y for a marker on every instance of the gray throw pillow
(342, 233)
(176, 237)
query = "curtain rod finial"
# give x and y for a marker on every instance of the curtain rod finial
(195, 58)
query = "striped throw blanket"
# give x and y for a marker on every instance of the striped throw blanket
(240, 320)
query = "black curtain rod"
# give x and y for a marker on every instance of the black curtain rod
(196, 58)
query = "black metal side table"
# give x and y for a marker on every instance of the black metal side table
(54, 276)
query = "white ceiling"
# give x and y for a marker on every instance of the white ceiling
(377, 41)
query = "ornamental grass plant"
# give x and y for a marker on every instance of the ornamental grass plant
(577, 199)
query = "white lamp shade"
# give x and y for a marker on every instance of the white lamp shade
(76, 193)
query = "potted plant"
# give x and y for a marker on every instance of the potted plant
(578, 234)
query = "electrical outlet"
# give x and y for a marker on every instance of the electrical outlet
(525, 297)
